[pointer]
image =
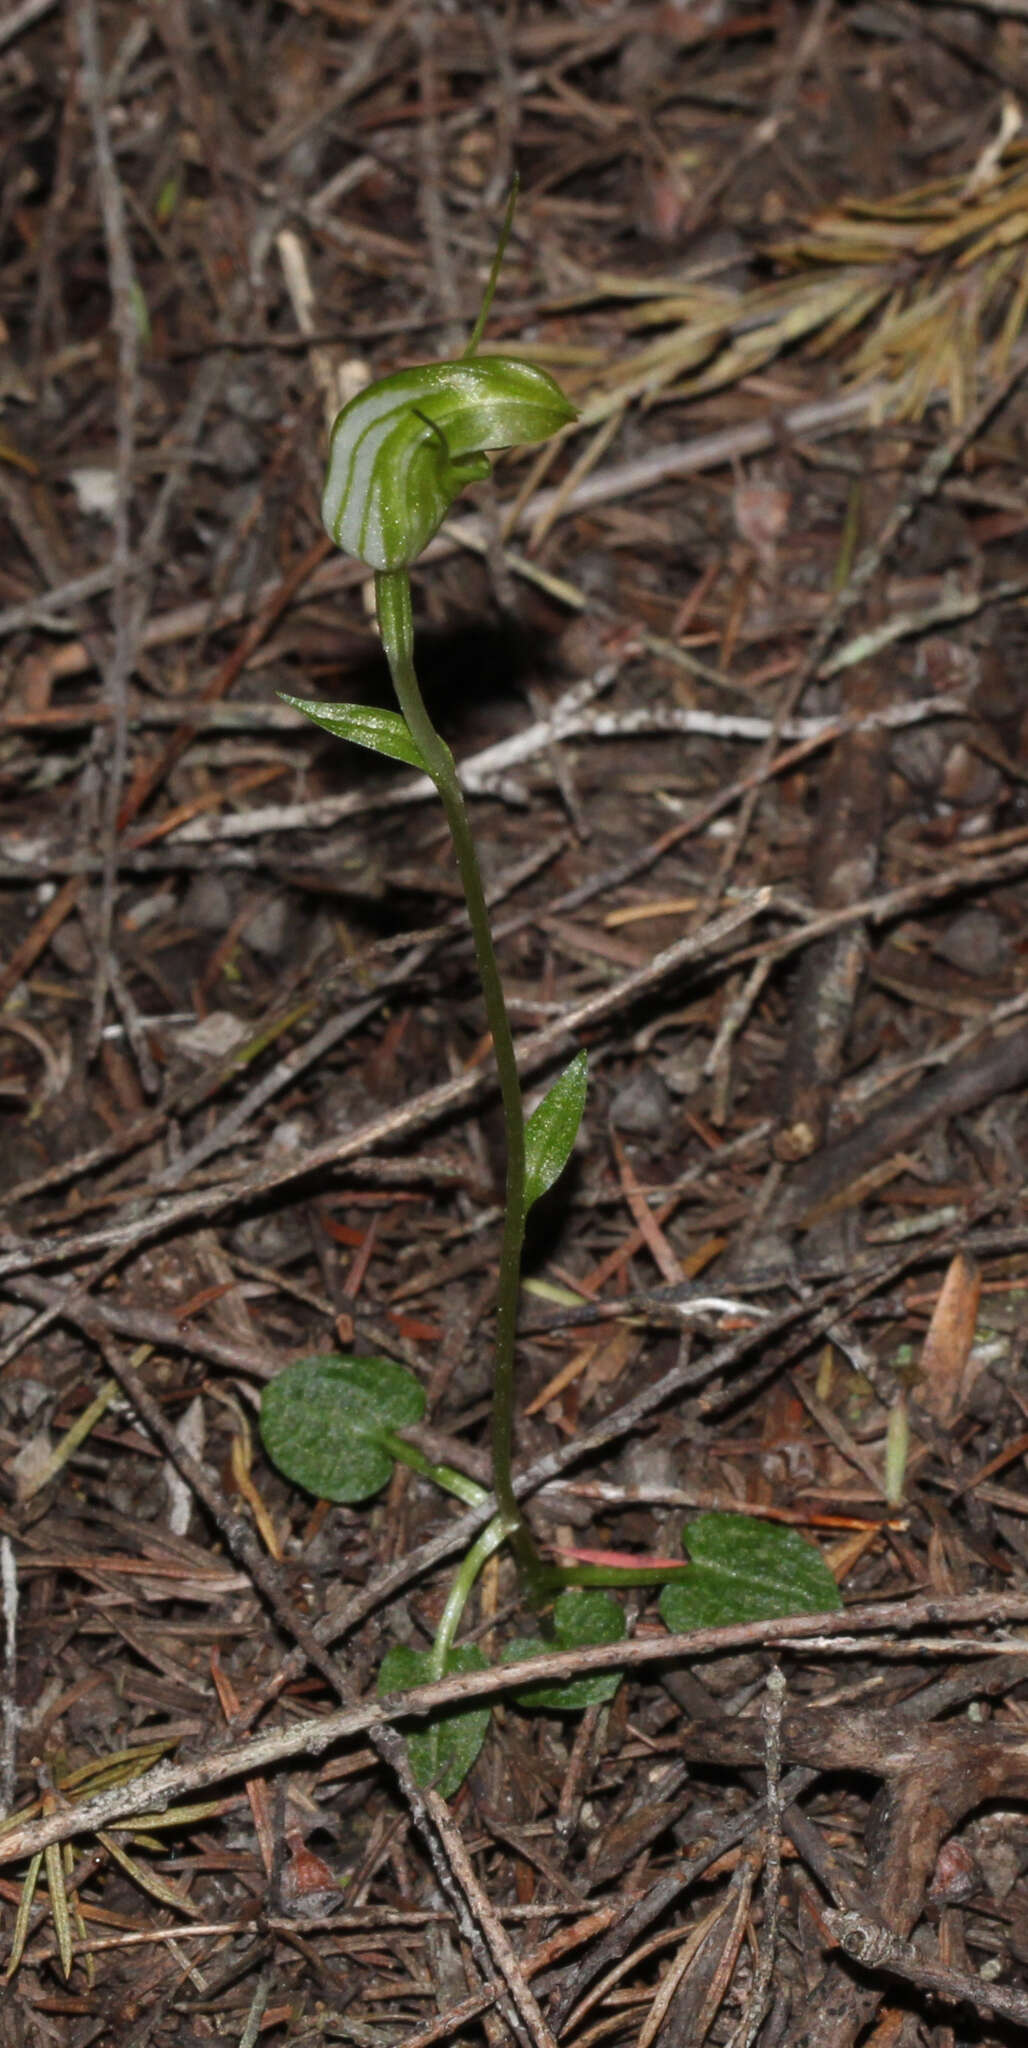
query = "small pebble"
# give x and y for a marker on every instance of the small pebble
(956, 1876)
(207, 904)
(683, 1071)
(649, 1462)
(233, 449)
(975, 942)
(267, 932)
(213, 1037)
(641, 1107)
(968, 780)
(919, 755)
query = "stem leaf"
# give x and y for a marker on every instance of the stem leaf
(327, 1422)
(746, 1570)
(552, 1128)
(578, 1618)
(382, 732)
(443, 1749)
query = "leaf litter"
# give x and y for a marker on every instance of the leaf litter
(784, 344)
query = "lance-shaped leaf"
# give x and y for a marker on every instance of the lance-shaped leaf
(443, 1749)
(745, 1570)
(579, 1618)
(382, 732)
(328, 1422)
(552, 1128)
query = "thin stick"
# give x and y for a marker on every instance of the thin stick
(826, 1632)
(8, 1703)
(23, 17)
(125, 304)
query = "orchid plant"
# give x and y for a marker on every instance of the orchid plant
(401, 452)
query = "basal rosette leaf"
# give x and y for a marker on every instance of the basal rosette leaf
(742, 1569)
(326, 1422)
(443, 1749)
(580, 1618)
(552, 1128)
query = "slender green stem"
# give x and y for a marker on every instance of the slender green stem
(392, 592)
(443, 1476)
(494, 1533)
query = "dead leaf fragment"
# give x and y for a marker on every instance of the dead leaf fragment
(947, 1346)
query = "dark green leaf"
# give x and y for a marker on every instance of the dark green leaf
(384, 732)
(552, 1128)
(323, 1421)
(443, 1749)
(579, 1618)
(745, 1570)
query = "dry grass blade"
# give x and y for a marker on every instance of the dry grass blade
(667, 1937)
(55, 1859)
(21, 1921)
(935, 280)
(63, 1906)
(60, 1911)
(70, 1442)
(150, 1881)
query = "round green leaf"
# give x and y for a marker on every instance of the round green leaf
(746, 1570)
(579, 1618)
(552, 1128)
(443, 1749)
(325, 1422)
